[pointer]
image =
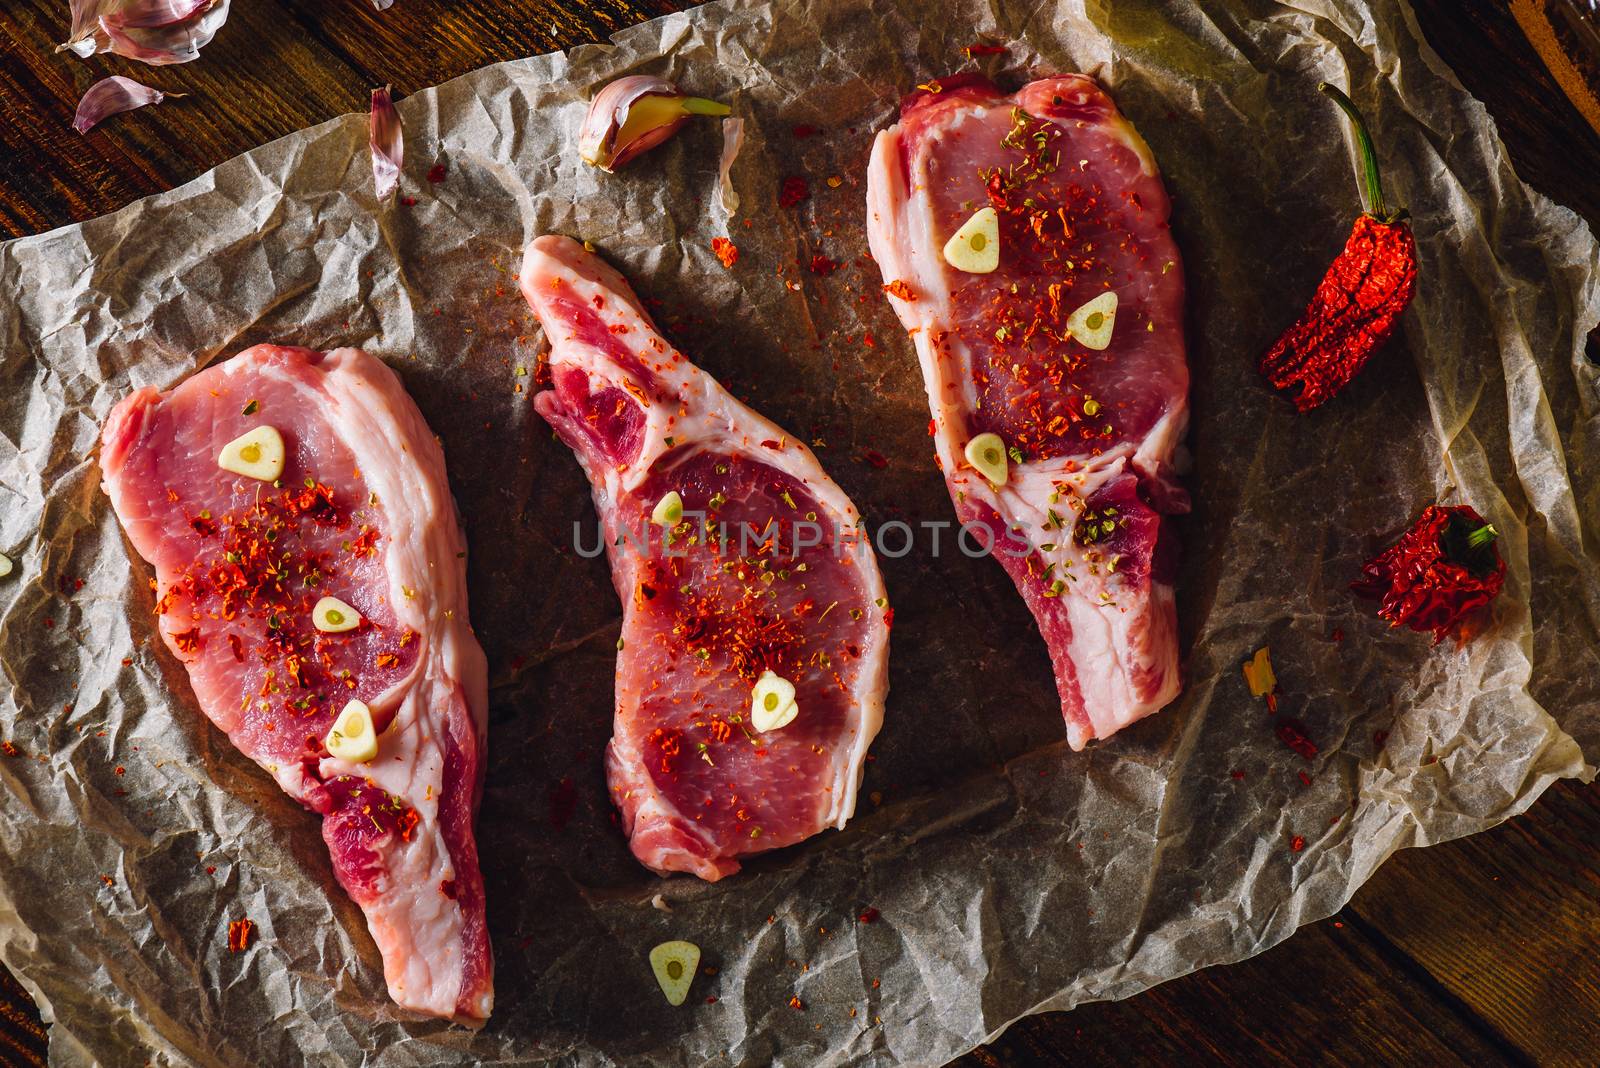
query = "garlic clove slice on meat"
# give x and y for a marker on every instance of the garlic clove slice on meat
(632, 115)
(256, 453)
(1091, 325)
(675, 964)
(772, 703)
(353, 737)
(668, 511)
(975, 248)
(987, 453)
(333, 616)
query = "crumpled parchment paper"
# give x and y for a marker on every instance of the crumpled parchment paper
(1008, 874)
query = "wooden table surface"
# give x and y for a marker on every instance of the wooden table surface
(1482, 951)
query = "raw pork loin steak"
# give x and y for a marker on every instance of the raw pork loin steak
(1074, 399)
(360, 512)
(744, 580)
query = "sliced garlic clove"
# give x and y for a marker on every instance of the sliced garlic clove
(5, 565)
(256, 454)
(975, 248)
(1091, 325)
(987, 453)
(353, 737)
(333, 616)
(668, 511)
(772, 703)
(675, 964)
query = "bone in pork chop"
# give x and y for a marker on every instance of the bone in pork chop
(1074, 404)
(244, 557)
(751, 572)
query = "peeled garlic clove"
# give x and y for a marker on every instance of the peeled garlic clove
(987, 453)
(668, 511)
(674, 964)
(333, 616)
(975, 248)
(353, 737)
(5, 565)
(632, 115)
(772, 703)
(1091, 325)
(256, 453)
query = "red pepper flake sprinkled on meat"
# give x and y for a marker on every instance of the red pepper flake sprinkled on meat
(793, 191)
(447, 887)
(1237, 774)
(726, 251)
(240, 934)
(797, 1004)
(187, 641)
(868, 915)
(408, 823)
(436, 173)
(898, 288)
(979, 49)
(875, 458)
(822, 265)
(9, 749)
(1297, 843)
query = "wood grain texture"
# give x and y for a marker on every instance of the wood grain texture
(1480, 951)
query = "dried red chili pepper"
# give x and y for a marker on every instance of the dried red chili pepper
(1443, 568)
(1359, 301)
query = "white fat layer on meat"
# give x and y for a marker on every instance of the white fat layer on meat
(904, 238)
(418, 929)
(699, 415)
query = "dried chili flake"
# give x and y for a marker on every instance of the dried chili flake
(793, 191)
(868, 915)
(447, 887)
(804, 130)
(408, 823)
(436, 173)
(9, 749)
(240, 934)
(979, 49)
(796, 1003)
(1292, 733)
(1358, 303)
(822, 265)
(899, 288)
(725, 250)
(187, 641)
(1444, 568)
(1297, 843)
(875, 458)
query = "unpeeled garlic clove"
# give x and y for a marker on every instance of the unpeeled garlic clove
(256, 453)
(632, 115)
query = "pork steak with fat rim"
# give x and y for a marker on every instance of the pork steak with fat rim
(766, 571)
(362, 512)
(1088, 425)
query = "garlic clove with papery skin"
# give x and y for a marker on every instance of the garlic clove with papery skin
(634, 114)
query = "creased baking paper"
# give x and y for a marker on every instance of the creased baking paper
(1007, 875)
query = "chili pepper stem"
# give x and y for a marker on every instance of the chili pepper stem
(1482, 536)
(699, 105)
(1372, 188)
